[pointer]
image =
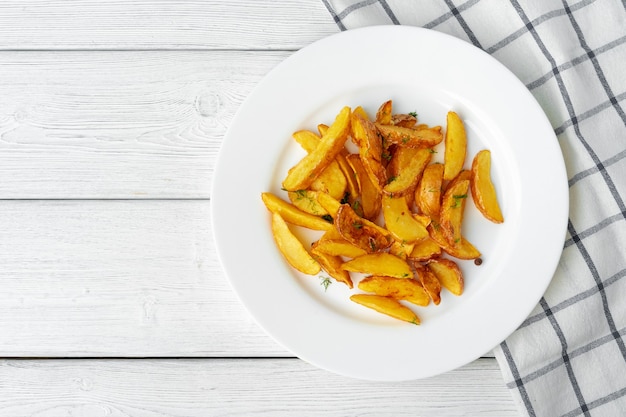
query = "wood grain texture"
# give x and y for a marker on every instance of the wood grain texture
(151, 388)
(119, 124)
(164, 24)
(118, 278)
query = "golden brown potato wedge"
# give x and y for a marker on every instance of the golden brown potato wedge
(483, 191)
(401, 249)
(455, 146)
(332, 179)
(409, 164)
(430, 283)
(381, 263)
(462, 250)
(306, 200)
(398, 288)
(404, 120)
(400, 221)
(462, 176)
(429, 189)
(448, 273)
(291, 248)
(361, 232)
(308, 168)
(369, 193)
(328, 203)
(383, 115)
(413, 138)
(322, 128)
(386, 305)
(294, 215)
(425, 250)
(361, 113)
(339, 247)
(364, 134)
(332, 265)
(452, 207)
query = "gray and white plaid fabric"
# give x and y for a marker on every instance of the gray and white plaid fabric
(569, 357)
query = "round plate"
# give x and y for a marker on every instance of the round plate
(430, 73)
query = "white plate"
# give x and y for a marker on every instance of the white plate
(430, 73)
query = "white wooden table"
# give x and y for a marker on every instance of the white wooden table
(112, 299)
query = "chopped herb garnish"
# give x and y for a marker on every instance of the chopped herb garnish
(405, 139)
(432, 151)
(325, 282)
(386, 156)
(357, 225)
(372, 245)
(346, 198)
(328, 218)
(405, 275)
(391, 179)
(412, 113)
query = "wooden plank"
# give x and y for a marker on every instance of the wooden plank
(119, 124)
(167, 24)
(118, 278)
(253, 387)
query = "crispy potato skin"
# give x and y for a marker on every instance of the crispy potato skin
(332, 265)
(365, 136)
(425, 250)
(448, 273)
(386, 305)
(406, 166)
(383, 115)
(451, 215)
(429, 189)
(483, 190)
(370, 195)
(430, 283)
(413, 138)
(361, 232)
(462, 250)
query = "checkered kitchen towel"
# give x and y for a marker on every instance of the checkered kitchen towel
(569, 357)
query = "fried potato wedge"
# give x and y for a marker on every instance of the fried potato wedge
(294, 215)
(455, 146)
(401, 249)
(291, 248)
(332, 179)
(463, 175)
(399, 288)
(462, 250)
(412, 138)
(328, 203)
(483, 191)
(339, 247)
(386, 305)
(429, 281)
(409, 165)
(383, 115)
(451, 215)
(429, 189)
(322, 128)
(448, 273)
(404, 120)
(369, 193)
(308, 168)
(306, 200)
(359, 111)
(381, 263)
(332, 265)
(365, 136)
(424, 250)
(361, 232)
(400, 221)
